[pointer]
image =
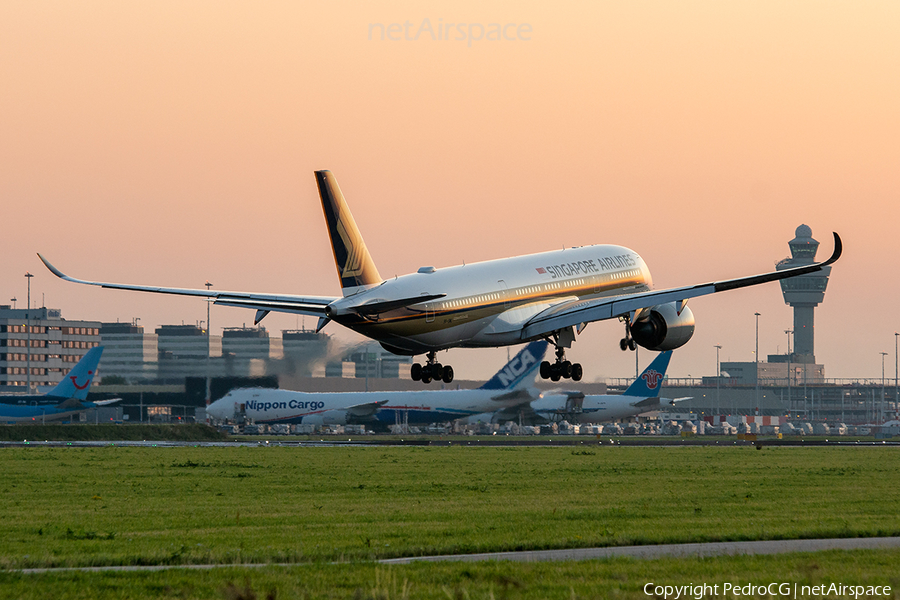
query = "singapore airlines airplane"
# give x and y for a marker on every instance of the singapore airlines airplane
(551, 295)
(513, 384)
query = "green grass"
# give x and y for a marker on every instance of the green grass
(141, 506)
(111, 432)
(615, 578)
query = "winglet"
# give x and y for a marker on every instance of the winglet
(53, 269)
(838, 250)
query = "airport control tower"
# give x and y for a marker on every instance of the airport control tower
(803, 293)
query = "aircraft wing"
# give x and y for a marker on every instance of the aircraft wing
(366, 409)
(576, 312)
(106, 402)
(522, 395)
(263, 303)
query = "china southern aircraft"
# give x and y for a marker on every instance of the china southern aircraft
(68, 398)
(513, 384)
(551, 295)
(640, 397)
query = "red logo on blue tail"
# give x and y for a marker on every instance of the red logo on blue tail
(74, 379)
(652, 378)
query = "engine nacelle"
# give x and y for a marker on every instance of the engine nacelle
(664, 328)
(329, 417)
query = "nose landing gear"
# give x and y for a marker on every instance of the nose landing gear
(431, 370)
(561, 369)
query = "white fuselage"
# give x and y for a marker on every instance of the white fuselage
(488, 304)
(264, 405)
(594, 409)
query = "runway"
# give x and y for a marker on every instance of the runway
(637, 552)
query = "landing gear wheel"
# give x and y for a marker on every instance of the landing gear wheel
(623, 344)
(431, 371)
(631, 345)
(555, 372)
(561, 369)
(545, 369)
(577, 372)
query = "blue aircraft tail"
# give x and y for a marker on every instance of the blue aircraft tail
(650, 381)
(519, 369)
(78, 381)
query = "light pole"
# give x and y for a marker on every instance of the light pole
(788, 332)
(28, 277)
(13, 300)
(896, 399)
(718, 372)
(883, 354)
(208, 346)
(756, 354)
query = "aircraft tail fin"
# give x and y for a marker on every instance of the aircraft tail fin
(650, 381)
(77, 383)
(355, 266)
(520, 370)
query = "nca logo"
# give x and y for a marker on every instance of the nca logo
(516, 367)
(652, 378)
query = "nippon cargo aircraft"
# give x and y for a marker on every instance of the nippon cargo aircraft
(513, 384)
(551, 295)
(66, 399)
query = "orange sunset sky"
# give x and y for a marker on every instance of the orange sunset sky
(171, 143)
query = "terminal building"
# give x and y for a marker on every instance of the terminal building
(129, 353)
(38, 347)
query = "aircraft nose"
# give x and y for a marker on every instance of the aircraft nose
(216, 410)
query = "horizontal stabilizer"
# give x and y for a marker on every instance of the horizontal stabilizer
(519, 394)
(378, 307)
(655, 401)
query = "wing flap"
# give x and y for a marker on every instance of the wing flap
(382, 306)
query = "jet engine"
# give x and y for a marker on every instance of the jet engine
(662, 328)
(329, 417)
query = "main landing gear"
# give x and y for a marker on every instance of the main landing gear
(627, 342)
(431, 370)
(561, 369)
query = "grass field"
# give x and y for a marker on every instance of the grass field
(138, 506)
(193, 432)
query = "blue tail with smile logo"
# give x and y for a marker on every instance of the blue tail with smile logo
(77, 383)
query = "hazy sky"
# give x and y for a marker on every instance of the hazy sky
(171, 143)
